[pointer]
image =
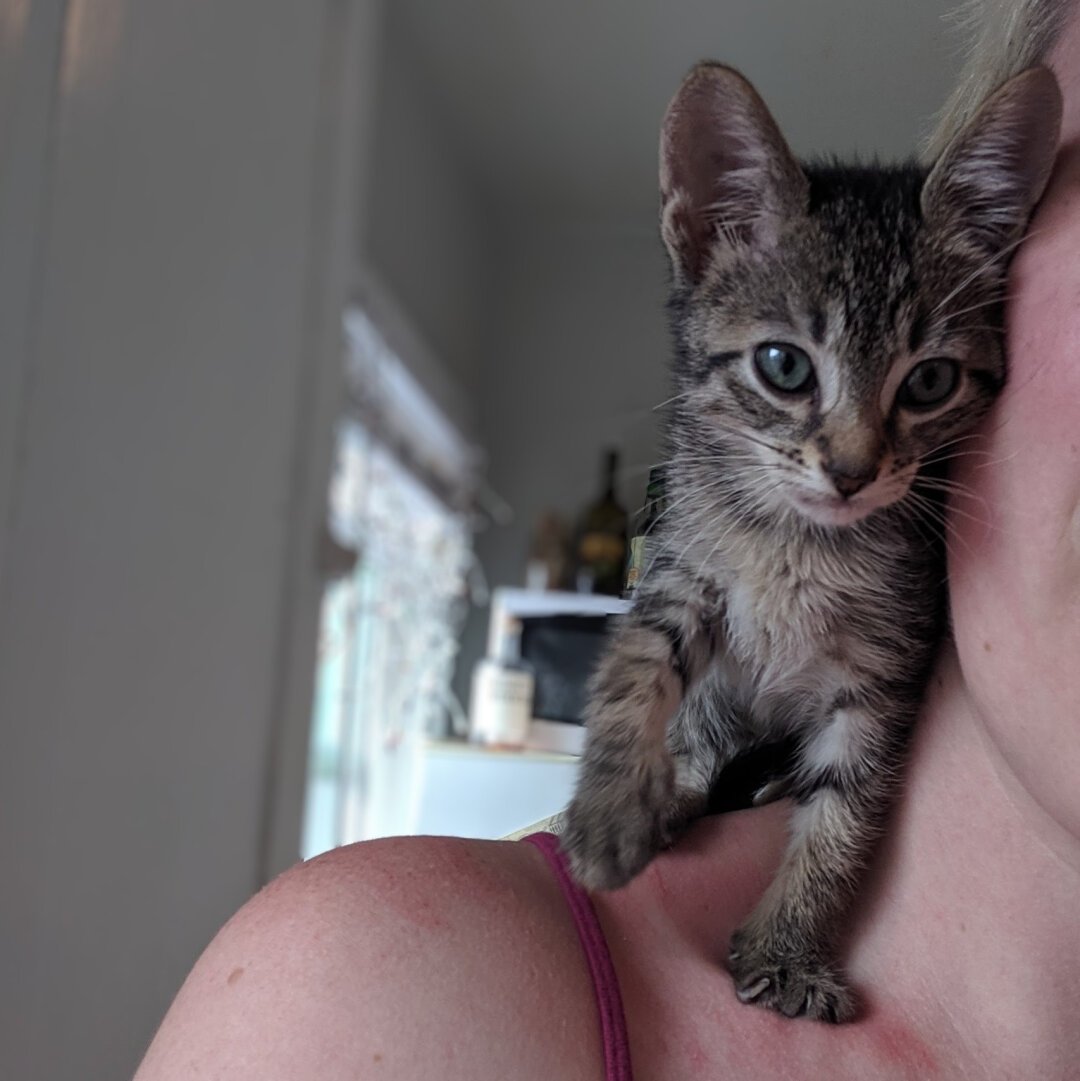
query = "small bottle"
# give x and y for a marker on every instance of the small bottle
(548, 566)
(502, 693)
(643, 544)
(601, 548)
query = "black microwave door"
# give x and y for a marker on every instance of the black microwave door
(563, 652)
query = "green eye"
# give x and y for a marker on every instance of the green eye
(929, 383)
(785, 367)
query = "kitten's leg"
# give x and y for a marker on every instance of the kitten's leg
(632, 795)
(783, 956)
(703, 737)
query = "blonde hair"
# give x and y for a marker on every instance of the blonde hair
(1004, 38)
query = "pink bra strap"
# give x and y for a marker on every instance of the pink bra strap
(598, 958)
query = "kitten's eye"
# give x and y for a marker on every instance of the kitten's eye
(785, 367)
(929, 383)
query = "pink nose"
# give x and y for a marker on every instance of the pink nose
(847, 480)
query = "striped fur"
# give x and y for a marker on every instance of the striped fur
(799, 586)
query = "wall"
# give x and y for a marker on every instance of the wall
(425, 232)
(182, 266)
(577, 362)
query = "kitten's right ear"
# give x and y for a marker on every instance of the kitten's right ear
(726, 174)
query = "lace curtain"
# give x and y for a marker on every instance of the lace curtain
(389, 628)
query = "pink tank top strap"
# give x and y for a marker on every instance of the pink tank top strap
(598, 958)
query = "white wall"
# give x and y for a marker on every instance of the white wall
(176, 300)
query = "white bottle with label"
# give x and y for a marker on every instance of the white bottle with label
(500, 706)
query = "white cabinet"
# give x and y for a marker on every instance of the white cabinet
(469, 791)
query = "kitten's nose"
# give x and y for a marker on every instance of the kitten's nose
(849, 478)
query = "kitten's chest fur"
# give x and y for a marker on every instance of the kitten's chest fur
(781, 600)
(802, 619)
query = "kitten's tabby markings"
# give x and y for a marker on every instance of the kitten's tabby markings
(831, 339)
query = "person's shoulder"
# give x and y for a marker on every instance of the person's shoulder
(420, 956)
(674, 922)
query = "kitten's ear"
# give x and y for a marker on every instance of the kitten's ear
(726, 174)
(983, 188)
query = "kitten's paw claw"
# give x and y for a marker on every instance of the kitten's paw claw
(772, 791)
(794, 985)
(614, 827)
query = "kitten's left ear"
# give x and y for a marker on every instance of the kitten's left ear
(983, 188)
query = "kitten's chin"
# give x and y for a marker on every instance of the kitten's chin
(833, 510)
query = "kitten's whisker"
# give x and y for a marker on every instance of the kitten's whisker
(955, 489)
(999, 298)
(961, 439)
(1001, 459)
(697, 536)
(673, 398)
(958, 454)
(748, 437)
(934, 517)
(998, 256)
(918, 523)
(952, 510)
(678, 502)
(716, 485)
(937, 457)
(678, 461)
(727, 532)
(946, 513)
(737, 501)
(969, 329)
(1013, 388)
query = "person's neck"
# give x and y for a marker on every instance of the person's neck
(969, 922)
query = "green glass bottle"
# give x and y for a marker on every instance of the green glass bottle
(643, 543)
(601, 547)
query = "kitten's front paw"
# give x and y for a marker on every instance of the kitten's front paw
(793, 983)
(617, 822)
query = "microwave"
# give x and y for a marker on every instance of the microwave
(562, 637)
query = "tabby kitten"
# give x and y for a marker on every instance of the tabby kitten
(837, 332)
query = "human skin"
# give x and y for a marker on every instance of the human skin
(421, 958)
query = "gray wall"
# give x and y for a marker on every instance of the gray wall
(176, 244)
(426, 230)
(577, 361)
(175, 240)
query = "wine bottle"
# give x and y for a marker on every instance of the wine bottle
(643, 544)
(601, 548)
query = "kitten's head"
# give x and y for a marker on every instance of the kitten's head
(838, 327)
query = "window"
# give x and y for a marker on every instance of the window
(389, 628)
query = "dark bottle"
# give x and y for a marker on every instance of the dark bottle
(601, 548)
(643, 543)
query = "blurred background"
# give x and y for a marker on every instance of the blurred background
(332, 347)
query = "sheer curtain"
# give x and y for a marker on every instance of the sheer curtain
(399, 498)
